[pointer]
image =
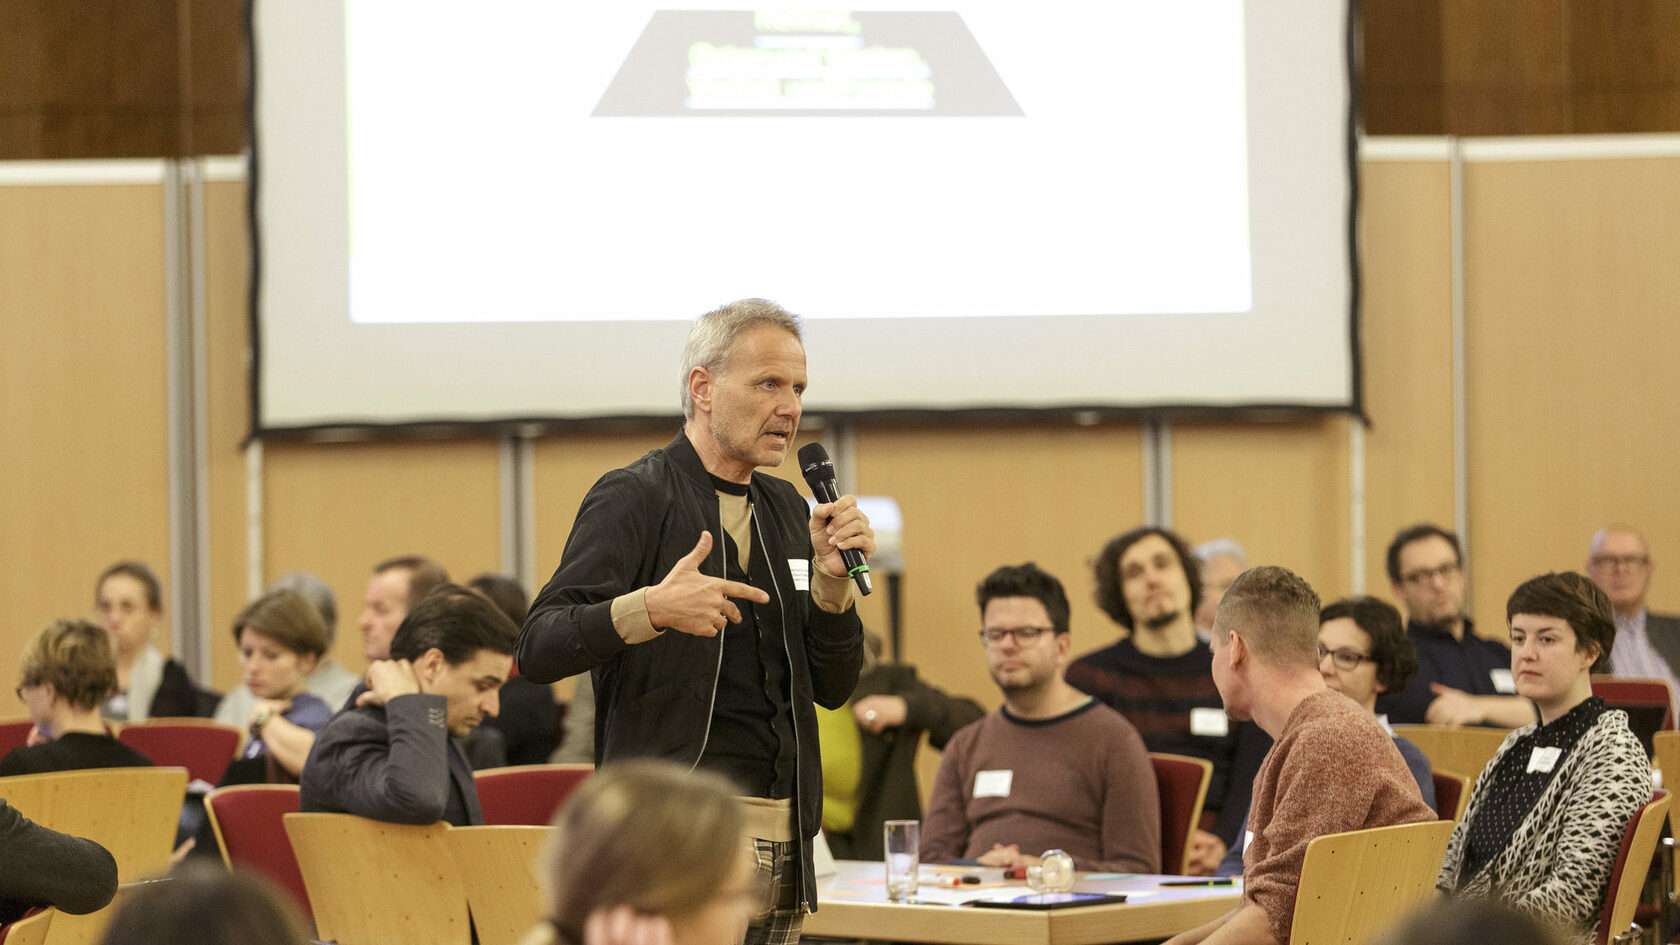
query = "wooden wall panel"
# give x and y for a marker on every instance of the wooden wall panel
(1279, 488)
(227, 279)
(337, 509)
(1573, 309)
(1406, 261)
(83, 468)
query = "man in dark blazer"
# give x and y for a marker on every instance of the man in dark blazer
(1647, 644)
(390, 757)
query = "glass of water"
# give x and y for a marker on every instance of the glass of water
(903, 845)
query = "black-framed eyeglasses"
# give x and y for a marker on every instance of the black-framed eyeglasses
(1344, 658)
(992, 636)
(1423, 576)
(1620, 562)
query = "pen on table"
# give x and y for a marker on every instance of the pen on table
(1197, 882)
(954, 881)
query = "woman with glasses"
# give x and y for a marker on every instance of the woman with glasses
(1545, 820)
(68, 670)
(648, 853)
(1363, 651)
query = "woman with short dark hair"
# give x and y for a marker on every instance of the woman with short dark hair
(1546, 818)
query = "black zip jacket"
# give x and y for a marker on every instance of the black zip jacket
(656, 698)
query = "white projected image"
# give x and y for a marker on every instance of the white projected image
(992, 160)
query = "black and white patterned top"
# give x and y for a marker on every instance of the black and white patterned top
(1546, 842)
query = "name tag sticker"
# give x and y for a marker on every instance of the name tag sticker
(993, 783)
(1544, 759)
(1248, 839)
(802, 575)
(1206, 721)
(1503, 682)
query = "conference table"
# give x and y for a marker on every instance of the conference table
(853, 904)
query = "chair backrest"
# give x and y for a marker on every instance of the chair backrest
(14, 733)
(1452, 795)
(1467, 748)
(247, 819)
(1354, 885)
(374, 883)
(29, 930)
(526, 794)
(201, 746)
(504, 886)
(1182, 783)
(132, 812)
(1633, 862)
(1647, 702)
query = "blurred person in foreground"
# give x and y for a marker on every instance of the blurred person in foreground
(648, 853)
(1472, 922)
(1545, 820)
(41, 867)
(205, 904)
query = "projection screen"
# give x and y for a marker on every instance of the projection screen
(511, 210)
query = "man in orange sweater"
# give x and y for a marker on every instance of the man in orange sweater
(1332, 767)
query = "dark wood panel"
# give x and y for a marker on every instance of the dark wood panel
(1624, 45)
(1512, 44)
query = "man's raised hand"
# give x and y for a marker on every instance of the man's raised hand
(691, 602)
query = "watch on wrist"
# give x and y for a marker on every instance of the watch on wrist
(261, 719)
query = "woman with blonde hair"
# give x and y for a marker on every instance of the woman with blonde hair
(649, 853)
(68, 670)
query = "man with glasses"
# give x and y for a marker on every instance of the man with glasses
(1647, 644)
(1462, 679)
(1052, 768)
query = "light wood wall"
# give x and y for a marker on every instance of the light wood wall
(1571, 306)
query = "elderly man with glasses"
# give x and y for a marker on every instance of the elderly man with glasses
(1462, 679)
(1053, 768)
(1646, 644)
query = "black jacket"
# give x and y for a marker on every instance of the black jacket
(656, 698)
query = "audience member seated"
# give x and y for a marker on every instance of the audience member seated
(1332, 768)
(329, 681)
(1362, 651)
(390, 757)
(130, 603)
(68, 670)
(1220, 560)
(1052, 768)
(41, 867)
(1158, 677)
(1647, 644)
(649, 853)
(529, 719)
(280, 638)
(205, 904)
(396, 586)
(869, 750)
(1462, 678)
(1546, 817)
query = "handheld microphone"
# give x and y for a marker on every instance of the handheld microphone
(819, 475)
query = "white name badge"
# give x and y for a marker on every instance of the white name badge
(1503, 681)
(802, 574)
(1206, 721)
(1544, 759)
(993, 783)
(1248, 839)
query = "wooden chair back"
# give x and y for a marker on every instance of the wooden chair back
(499, 867)
(1355, 885)
(250, 832)
(132, 812)
(29, 930)
(1633, 862)
(526, 794)
(1465, 749)
(202, 746)
(1182, 783)
(374, 883)
(1452, 795)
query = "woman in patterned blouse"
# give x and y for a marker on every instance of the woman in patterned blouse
(1546, 818)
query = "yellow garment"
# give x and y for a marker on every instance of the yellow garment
(842, 766)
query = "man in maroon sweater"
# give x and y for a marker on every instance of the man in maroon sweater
(1332, 767)
(1053, 768)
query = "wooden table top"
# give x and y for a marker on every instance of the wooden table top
(853, 904)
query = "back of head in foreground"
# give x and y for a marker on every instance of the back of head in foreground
(205, 904)
(646, 847)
